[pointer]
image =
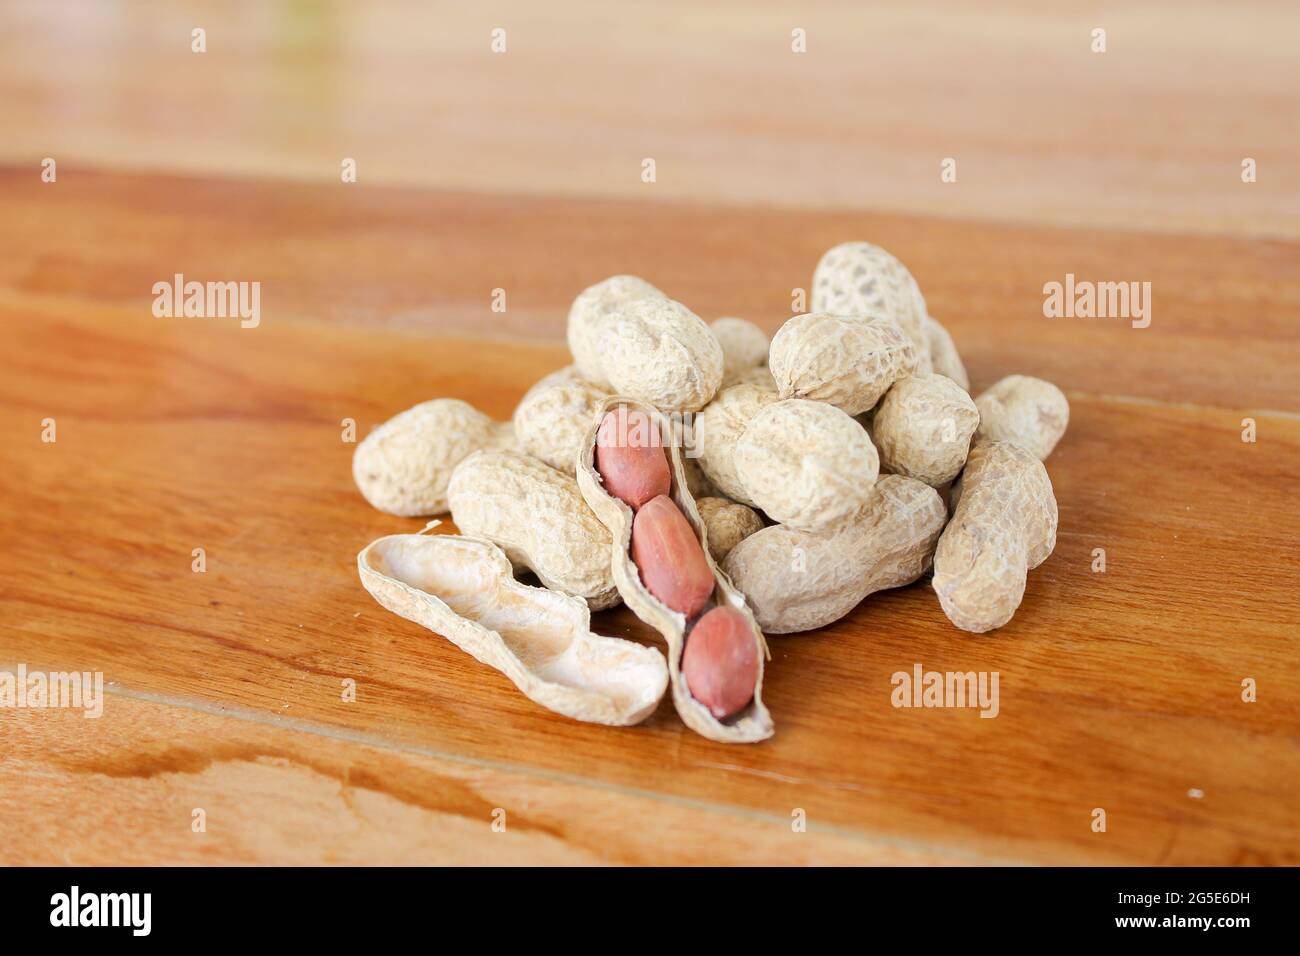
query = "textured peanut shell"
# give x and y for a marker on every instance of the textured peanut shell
(943, 353)
(857, 278)
(1030, 412)
(923, 427)
(761, 376)
(462, 588)
(552, 418)
(728, 523)
(660, 352)
(718, 427)
(798, 581)
(590, 309)
(536, 515)
(807, 464)
(744, 347)
(404, 465)
(752, 724)
(1003, 526)
(845, 361)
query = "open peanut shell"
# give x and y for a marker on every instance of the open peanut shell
(464, 589)
(752, 724)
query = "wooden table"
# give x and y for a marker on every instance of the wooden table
(1120, 690)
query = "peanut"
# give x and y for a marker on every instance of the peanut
(630, 457)
(744, 347)
(728, 523)
(593, 306)
(462, 588)
(718, 428)
(797, 580)
(923, 428)
(666, 577)
(537, 516)
(807, 464)
(669, 557)
(697, 482)
(1003, 526)
(553, 416)
(404, 465)
(720, 662)
(857, 278)
(847, 361)
(625, 334)
(1028, 411)
(943, 353)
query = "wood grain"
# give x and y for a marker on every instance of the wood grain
(1150, 134)
(123, 791)
(1224, 328)
(1119, 690)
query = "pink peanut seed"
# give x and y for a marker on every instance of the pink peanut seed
(630, 457)
(720, 662)
(669, 558)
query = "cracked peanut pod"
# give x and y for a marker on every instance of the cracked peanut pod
(659, 352)
(798, 581)
(845, 361)
(404, 465)
(943, 353)
(590, 309)
(536, 515)
(806, 464)
(858, 278)
(744, 347)
(553, 416)
(753, 723)
(718, 428)
(923, 427)
(1003, 526)
(462, 588)
(1028, 411)
(728, 523)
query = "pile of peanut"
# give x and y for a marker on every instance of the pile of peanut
(720, 484)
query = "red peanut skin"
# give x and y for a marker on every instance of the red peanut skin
(720, 662)
(634, 469)
(669, 557)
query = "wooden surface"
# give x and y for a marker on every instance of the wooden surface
(1149, 134)
(1119, 690)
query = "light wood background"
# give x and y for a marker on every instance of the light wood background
(1120, 690)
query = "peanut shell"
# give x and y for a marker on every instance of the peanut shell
(798, 581)
(943, 353)
(728, 523)
(923, 427)
(403, 466)
(537, 516)
(857, 278)
(1003, 526)
(845, 361)
(806, 464)
(462, 588)
(1028, 411)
